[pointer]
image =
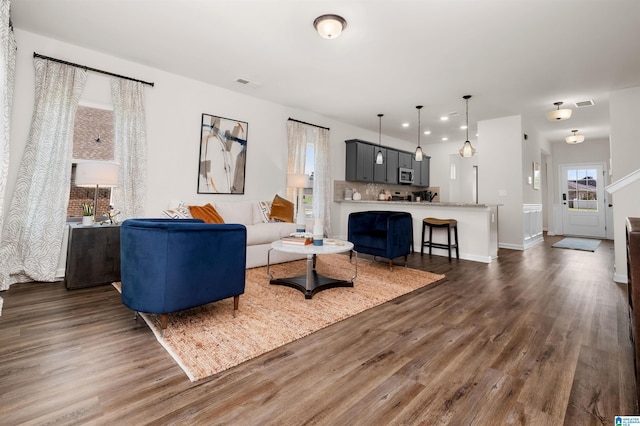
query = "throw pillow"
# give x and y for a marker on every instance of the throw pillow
(180, 212)
(265, 211)
(207, 213)
(281, 209)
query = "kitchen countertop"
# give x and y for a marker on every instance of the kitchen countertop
(416, 203)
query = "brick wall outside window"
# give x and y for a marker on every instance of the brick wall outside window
(89, 123)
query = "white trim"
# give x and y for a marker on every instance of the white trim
(620, 278)
(625, 181)
(511, 246)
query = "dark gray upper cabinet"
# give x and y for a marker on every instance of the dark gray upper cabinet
(392, 165)
(380, 170)
(361, 164)
(360, 160)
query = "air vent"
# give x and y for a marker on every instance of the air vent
(453, 114)
(246, 82)
(583, 104)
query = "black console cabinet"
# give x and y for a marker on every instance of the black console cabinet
(93, 255)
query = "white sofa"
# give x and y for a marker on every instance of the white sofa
(260, 234)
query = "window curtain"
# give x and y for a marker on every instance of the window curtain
(130, 148)
(35, 223)
(297, 145)
(7, 74)
(322, 179)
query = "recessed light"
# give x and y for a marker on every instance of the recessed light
(427, 132)
(463, 127)
(444, 118)
(405, 124)
(445, 138)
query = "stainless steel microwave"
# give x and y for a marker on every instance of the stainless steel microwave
(405, 175)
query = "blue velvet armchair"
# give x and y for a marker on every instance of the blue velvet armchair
(168, 265)
(381, 233)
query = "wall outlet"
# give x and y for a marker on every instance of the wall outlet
(502, 193)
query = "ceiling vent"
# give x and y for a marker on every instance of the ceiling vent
(246, 82)
(583, 104)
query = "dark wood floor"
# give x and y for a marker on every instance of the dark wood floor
(536, 337)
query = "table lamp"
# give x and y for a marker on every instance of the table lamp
(298, 181)
(91, 174)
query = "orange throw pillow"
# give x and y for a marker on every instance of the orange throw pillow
(207, 213)
(281, 209)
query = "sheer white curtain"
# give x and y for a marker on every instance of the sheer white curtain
(297, 153)
(322, 178)
(7, 74)
(130, 147)
(35, 224)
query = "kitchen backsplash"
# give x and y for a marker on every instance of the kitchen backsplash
(370, 191)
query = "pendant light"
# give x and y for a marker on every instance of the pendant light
(418, 149)
(574, 138)
(467, 149)
(379, 157)
(559, 114)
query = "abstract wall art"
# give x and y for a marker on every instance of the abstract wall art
(223, 154)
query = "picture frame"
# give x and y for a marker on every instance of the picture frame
(223, 154)
(536, 175)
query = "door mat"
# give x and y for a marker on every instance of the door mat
(584, 244)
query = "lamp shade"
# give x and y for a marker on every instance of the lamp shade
(92, 173)
(297, 180)
(467, 150)
(559, 114)
(329, 26)
(574, 138)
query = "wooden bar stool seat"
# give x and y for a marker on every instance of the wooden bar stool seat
(433, 222)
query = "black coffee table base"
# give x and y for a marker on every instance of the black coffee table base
(317, 283)
(312, 282)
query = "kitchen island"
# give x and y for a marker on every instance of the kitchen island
(477, 224)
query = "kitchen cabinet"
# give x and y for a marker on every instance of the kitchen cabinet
(421, 171)
(380, 170)
(405, 160)
(391, 163)
(359, 162)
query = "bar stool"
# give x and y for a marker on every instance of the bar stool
(433, 222)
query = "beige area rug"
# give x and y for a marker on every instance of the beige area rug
(208, 339)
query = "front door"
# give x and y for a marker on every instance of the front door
(582, 192)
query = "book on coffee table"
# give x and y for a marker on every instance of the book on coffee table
(299, 241)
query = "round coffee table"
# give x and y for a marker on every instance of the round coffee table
(312, 282)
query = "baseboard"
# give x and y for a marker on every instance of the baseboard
(533, 242)
(510, 246)
(620, 278)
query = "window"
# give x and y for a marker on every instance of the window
(582, 187)
(92, 140)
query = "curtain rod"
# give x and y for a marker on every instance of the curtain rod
(308, 124)
(37, 55)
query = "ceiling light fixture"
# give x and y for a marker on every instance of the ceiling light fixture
(418, 149)
(574, 138)
(559, 114)
(467, 149)
(379, 157)
(329, 26)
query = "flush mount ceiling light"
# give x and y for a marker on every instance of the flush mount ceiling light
(467, 149)
(559, 114)
(329, 26)
(419, 153)
(379, 157)
(574, 138)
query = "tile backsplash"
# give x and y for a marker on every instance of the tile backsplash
(370, 191)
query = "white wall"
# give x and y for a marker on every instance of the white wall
(501, 175)
(624, 111)
(173, 110)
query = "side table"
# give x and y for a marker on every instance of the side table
(93, 255)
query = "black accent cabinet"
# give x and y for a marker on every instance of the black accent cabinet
(93, 255)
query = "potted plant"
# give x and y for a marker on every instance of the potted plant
(87, 214)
